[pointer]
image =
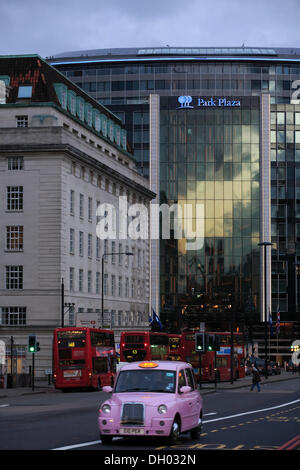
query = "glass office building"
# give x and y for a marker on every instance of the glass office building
(240, 163)
(209, 156)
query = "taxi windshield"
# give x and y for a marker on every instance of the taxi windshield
(146, 381)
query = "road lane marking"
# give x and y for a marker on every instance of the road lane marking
(252, 412)
(78, 445)
(290, 445)
(85, 444)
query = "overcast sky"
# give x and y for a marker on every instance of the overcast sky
(55, 26)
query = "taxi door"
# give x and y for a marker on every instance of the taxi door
(195, 402)
(189, 403)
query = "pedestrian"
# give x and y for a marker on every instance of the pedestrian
(255, 378)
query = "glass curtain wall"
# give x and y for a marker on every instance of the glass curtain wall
(285, 210)
(210, 157)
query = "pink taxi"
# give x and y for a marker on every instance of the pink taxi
(152, 399)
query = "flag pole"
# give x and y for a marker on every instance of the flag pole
(269, 342)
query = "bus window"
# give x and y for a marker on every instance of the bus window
(99, 365)
(221, 362)
(143, 346)
(71, 339)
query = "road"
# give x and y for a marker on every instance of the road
(233, 420)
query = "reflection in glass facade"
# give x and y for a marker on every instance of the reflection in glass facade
(211, 157)
(125, 86)
(285, 209)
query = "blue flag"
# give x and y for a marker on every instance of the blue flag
(270, 323)
(156, 319)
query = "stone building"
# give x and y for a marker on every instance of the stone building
(62, 157)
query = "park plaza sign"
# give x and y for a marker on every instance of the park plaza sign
(220, 102)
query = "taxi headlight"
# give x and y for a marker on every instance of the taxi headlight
(106, 409)
(162, 409)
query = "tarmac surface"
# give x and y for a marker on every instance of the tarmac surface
(206, 388)
(43, 387)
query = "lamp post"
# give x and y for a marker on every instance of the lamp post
(62, 301)
(102, 278)
(264, 245)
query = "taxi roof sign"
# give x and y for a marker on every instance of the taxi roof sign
(148, 364)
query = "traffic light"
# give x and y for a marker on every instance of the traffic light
(32, 344)
(213, 342)
(217, 343)
(200, 342)
(210, 342)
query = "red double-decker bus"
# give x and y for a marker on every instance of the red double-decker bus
(176, 349)
(143, 346)
(216, 365)
(83, 357)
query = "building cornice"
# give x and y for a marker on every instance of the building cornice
(74, 153)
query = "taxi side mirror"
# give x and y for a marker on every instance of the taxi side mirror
(185, 389)
(107, 389)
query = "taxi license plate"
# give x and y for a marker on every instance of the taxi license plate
(132, 431)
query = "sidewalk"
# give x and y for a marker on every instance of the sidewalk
(18, 391)
(247, 382)
(205, 387)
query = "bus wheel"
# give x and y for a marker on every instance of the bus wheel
(106, 440)
(175, 431)
(99, 387)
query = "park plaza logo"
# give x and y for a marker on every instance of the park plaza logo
(186, 101)
(154, 222)
(220, 102)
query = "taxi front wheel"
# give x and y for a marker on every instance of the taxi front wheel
(106, 440)
(196, 432)
(175, 431)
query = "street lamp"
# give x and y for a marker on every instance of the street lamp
(264, 245)
(102, 288)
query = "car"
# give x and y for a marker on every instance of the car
(152, 399)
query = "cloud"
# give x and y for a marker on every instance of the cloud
(56, 26)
